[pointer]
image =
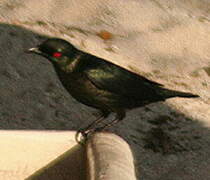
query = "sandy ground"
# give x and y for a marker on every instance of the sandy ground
(167, 42)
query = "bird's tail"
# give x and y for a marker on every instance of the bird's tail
(171, 93)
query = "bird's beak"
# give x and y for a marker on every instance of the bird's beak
(33, 50)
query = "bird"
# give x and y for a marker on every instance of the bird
(101, 84)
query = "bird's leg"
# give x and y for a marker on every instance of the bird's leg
(90, 128)
(86, 130)
(120, 115)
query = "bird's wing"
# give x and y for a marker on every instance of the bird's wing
(113, 78)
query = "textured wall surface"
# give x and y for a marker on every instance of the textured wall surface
(167, 42)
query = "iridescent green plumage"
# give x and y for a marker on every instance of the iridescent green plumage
(102, 84)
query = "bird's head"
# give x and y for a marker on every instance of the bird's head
(58, 51)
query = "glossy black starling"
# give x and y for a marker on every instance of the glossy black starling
(101, 84)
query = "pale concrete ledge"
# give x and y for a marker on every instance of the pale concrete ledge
(109, 158)
(54, 155)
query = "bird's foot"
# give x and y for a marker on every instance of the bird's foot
(83, 134)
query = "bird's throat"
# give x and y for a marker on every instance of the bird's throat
(70, 65)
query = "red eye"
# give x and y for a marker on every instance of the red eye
(57, 54)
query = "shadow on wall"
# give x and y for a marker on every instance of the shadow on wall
(31, 94)
(31, 97)
(64, 166)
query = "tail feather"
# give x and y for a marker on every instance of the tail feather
(171, 93)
